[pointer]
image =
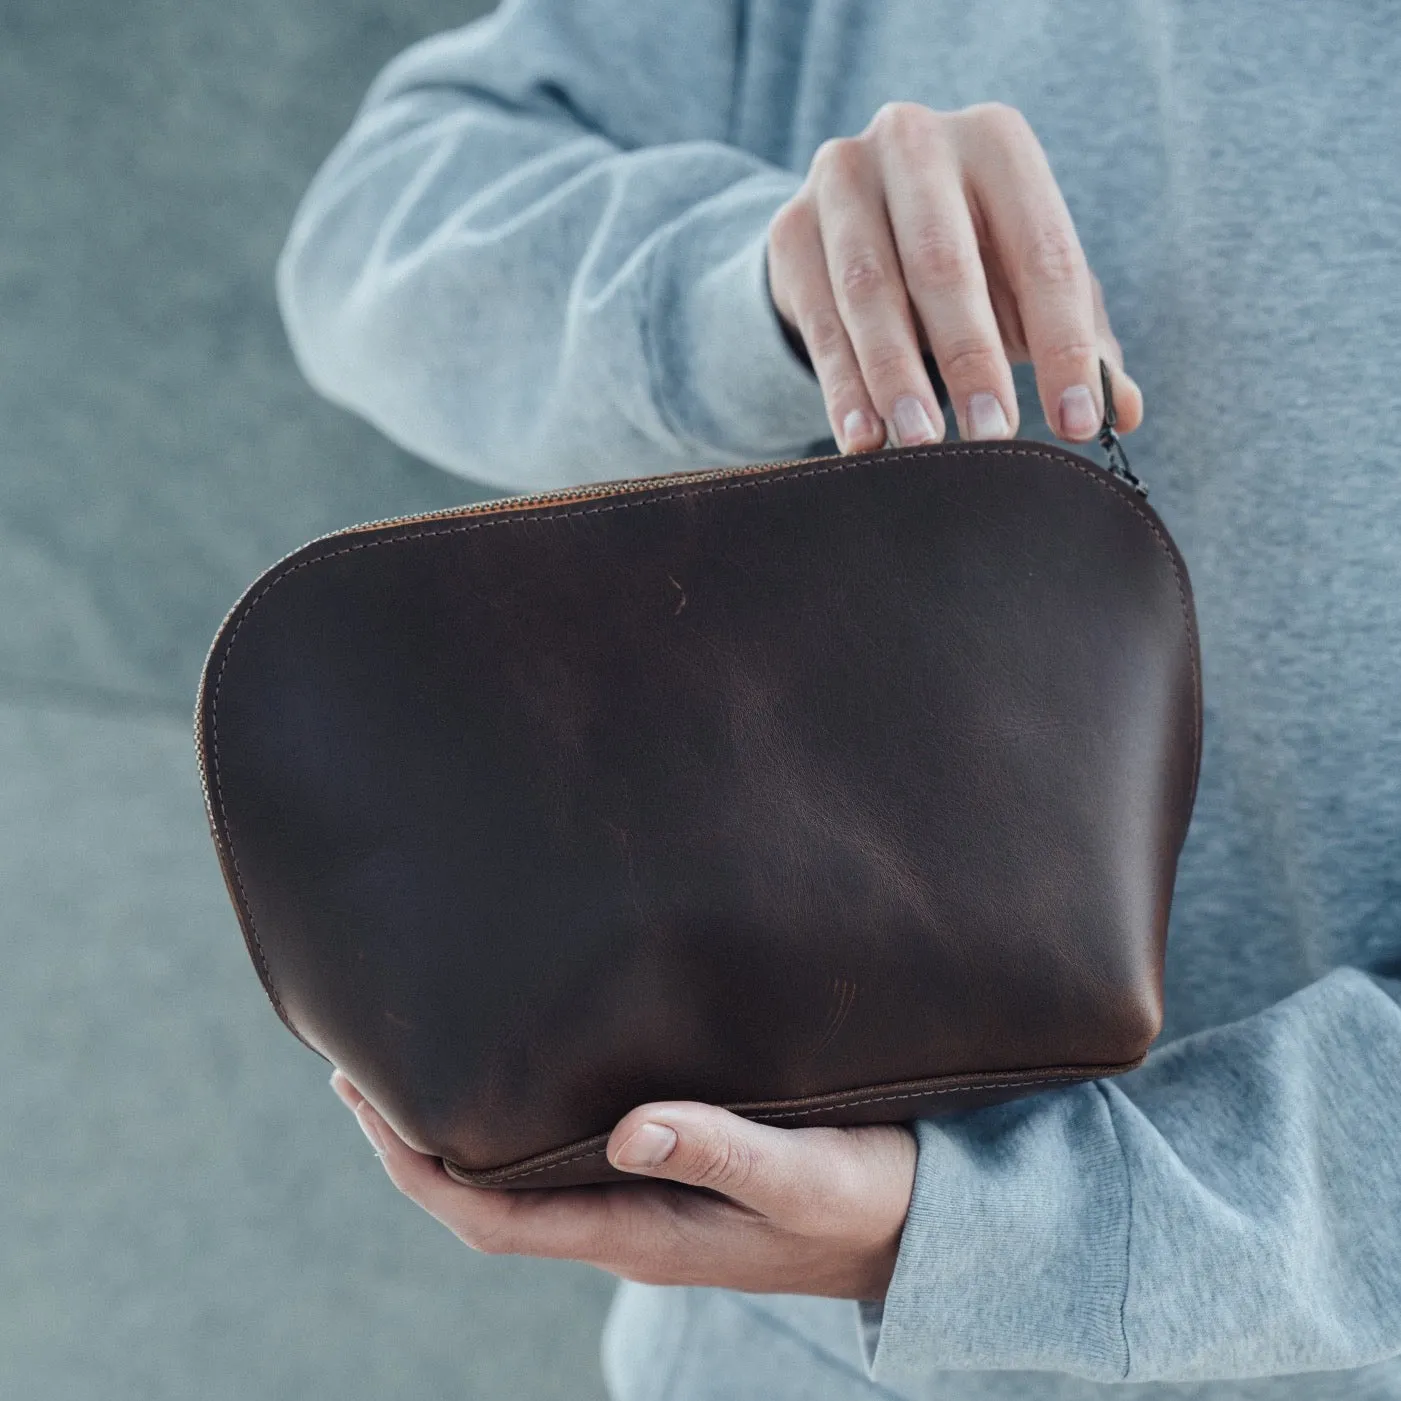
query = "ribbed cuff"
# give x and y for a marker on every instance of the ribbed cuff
(726, 377)
(1015, 1250)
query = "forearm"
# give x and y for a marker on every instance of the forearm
(1231, 1209)
(513, 293)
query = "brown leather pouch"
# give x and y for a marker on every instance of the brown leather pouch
(834, 791)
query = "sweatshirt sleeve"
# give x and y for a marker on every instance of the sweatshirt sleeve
(1230, 1209)
(535, 258)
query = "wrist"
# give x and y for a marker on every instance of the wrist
(725, 376)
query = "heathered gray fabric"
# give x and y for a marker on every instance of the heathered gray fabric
(536, 259)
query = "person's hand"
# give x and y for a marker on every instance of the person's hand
(945, 231)
(787, 1211)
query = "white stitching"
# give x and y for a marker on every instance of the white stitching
(508, 1174)
(914, 1094)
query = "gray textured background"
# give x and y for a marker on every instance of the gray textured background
(185, 1210)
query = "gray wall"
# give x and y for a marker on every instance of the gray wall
(185, 1210)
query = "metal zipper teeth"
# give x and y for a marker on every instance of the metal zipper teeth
(619, 487)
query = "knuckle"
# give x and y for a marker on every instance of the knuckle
(1070, 355)
(791, 223)
(486, 1228)
(837, 156)
(1000, 118)
(863, 277)
(940, 261)
(1052, 254)
(969, 362)
(890, 366)
(726, 1164)
(824, 334)
(900, 121)
(845, 391)
(485, 1239)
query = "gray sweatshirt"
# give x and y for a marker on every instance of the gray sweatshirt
(536, 259)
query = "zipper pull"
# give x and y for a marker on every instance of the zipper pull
(1109, 439)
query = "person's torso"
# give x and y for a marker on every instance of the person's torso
(1235, 178)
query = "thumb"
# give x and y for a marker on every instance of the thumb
(757, 1165)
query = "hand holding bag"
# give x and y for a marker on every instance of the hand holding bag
(834, 791)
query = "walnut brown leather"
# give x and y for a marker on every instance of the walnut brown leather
(834, 791)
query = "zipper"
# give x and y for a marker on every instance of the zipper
(1109, 439)
(1118, 466)
(617, 487)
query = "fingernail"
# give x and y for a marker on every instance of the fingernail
(1077, 412)
(855, 425)
(648, 1146)
(366, 1118)
(986, 418)
(911, 422)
